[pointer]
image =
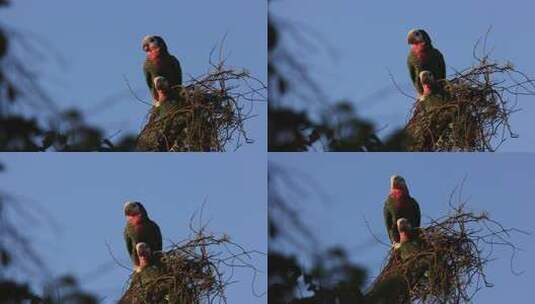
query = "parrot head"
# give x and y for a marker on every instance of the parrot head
(397, 182)
(398, 187)
(418, 37)
(403, 225)
(135, 212)
(143, 250)
(144, 254)
(154, 46)
(161, 83)
(426, 78)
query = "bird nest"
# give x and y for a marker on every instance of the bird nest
(209, 114)
(189, 273)
(449, 268)
(475, 113)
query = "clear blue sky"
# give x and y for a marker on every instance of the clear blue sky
(100, 42)
(84, 195)
(354, 186)
(366, 39)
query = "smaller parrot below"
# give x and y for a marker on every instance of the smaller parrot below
(148, 269)
(432, 95)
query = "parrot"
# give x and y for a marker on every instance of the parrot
(148, 269)
(160, 63)
(411, 249)
(166, 97)
(409, 243)
(432, 95)
(397, 205)
(140, 228)
(423, 57)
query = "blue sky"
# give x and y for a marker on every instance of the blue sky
(366, 39)
(100, 40)
(346, 190)
(84, 193)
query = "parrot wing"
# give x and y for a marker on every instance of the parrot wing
(417, 213)
(158, 238)
(388, 220)
(149, 77)
(128, 242)
(441, 73)
(412, 71)
(178, 69)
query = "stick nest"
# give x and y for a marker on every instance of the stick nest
(449, 268)
(189, 273)
(209, 114)
(475, 113)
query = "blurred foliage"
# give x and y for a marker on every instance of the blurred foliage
(336, 127)
(28, 118)
(332, 279)
(330, 276)
(17, 251)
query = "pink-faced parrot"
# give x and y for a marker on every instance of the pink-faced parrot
(160, 63)
(432, 95)
(140, 229)
(423, 57)
(399, 204)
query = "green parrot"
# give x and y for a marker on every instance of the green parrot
(399, 204)
(149, 269)
(409, 244)
(140, 228)
(160, 63)
(423, 57)
(166, 96)
(432, 95)
(410, 248)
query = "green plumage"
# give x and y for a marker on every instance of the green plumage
(167, 66)
(432, 101)
(433, 62)
(148, 232)
(419, 264)
(147, 275)
(169, 106)
(409, 248)
(394, 210)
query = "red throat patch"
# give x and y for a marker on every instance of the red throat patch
(153, 57)
(404, 236)
(427, 89)
(397, 194)
(161, 95)
(419, 50)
